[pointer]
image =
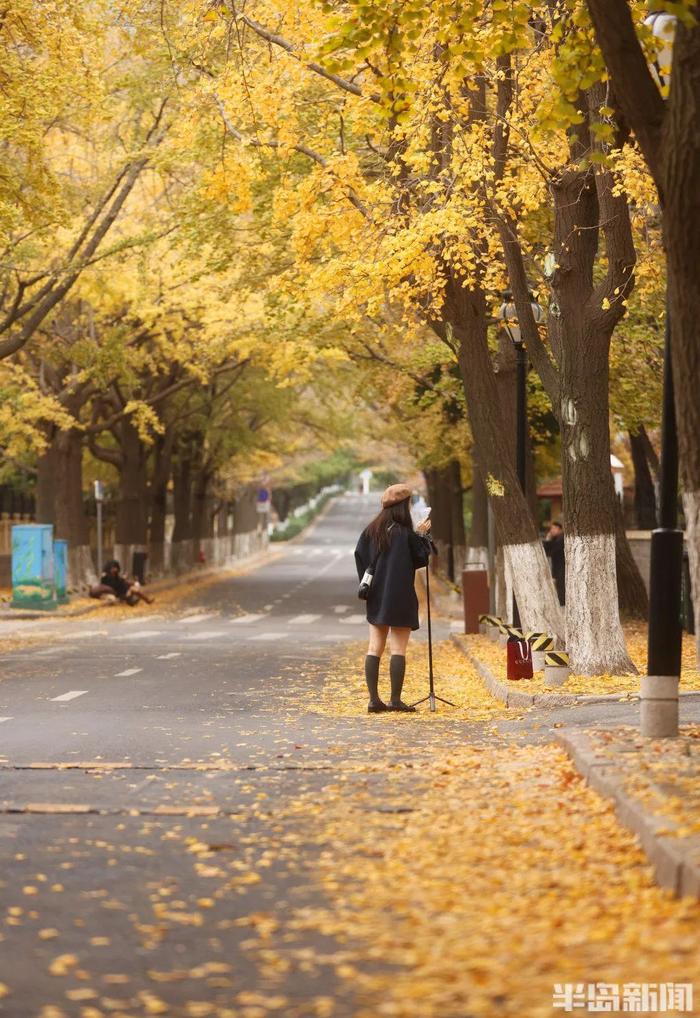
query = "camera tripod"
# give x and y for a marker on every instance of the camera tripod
(432, 696)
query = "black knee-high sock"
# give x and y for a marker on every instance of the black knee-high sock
(372, 676)
(397, 671)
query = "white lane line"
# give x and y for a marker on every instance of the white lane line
(303, 620)
(5, 719)
(267, 607)
(246, 620)
(340, 608)
(268, 636)
(166, 657)
(298, 551)
(336, 638)
(354, 620)
(70, 695)
(141, 619)
(128, 671)
(139, 636)
(85, 635)
(191, 620)
(204, 634)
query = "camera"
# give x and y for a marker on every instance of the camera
(365, 584)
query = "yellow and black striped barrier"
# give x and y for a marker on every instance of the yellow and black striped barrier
(540, 644)
(556, 667)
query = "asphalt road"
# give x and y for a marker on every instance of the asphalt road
(141, 759)
(122, 741)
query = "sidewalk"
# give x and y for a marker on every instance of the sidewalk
(653, 784)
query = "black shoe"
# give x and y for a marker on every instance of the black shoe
(377, 707)
(401, 707)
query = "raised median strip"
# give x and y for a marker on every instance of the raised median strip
(671, 844)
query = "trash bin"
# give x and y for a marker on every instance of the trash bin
(475, 593)
(138, 565)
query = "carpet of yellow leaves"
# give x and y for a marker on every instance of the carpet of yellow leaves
(494, 657)
(344, 693)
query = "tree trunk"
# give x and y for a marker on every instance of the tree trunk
(506, 381)
(158, 492)
(644, 493)
(181, 552)
(478, 540)
(131, 522)
(632, 596)
(458, 538)
(438, 482)
(526, 565)
(681, 186)
(59, 500)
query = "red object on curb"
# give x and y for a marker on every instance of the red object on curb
(519, 659)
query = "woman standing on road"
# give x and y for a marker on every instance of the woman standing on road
(391, 550)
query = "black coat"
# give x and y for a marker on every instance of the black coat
(392, 597)
(554, 548)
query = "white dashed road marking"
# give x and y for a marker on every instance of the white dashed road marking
(85, 635)
(139, 636)
(245, 620)
(340, 608)
(191, 620)
(354, 620)
(166, 657)
(268, 636)
(70, 695)
(303, 620)
(140, 621)
(205, 634)
(128, 671)
(5, 719)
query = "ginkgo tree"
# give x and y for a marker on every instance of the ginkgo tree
(397, 137)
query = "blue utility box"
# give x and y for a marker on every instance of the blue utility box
(60, 569)
(33, 583)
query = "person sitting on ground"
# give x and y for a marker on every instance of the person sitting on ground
(112, 584)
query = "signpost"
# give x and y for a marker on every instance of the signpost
(99, 499)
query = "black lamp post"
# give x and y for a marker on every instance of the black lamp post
(659, 709)
(509, 317)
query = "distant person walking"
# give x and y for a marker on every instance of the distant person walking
(391, 550)
(554, 549)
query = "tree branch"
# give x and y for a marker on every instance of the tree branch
(635, 89)
(288, 47)
(304, 150)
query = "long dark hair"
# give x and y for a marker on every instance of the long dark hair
(378, 529)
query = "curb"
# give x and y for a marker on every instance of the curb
(676, 861)
(504, 692)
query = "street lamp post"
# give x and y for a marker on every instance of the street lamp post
(659, 687)
(509, 317)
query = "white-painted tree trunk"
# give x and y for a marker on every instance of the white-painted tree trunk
(595, 641)
(476, 558)
(501, 586)
(529, 575)
(81, 568)
(691, 508)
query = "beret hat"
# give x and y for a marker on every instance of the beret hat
(395, 493)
